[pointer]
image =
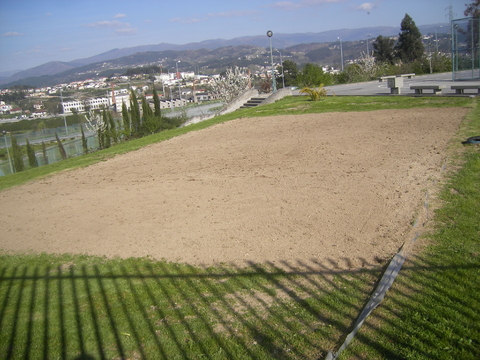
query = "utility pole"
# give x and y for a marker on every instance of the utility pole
(178, 79)
(63, 112)
(274, 83)
(341, 51)
(283, 73)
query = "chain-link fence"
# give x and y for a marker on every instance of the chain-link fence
(465, 49)
(71, 140)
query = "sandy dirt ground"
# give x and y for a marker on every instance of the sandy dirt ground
(336, 190)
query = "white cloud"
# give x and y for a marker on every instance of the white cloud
(12, 33)
(121, 28)
(118, 16)
(290, 5)
(125, 32)
(366, 6)
(108, 24)
(227, 14)
(35, 49)
(185, 20)
(230, 14)
(285, 5)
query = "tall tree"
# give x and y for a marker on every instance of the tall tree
(472, 9)
(313, 75)
(156, 103)
(146, 109)
(151, 123)
(44, 152)
(17, 155)
(63, 153)
(409, 47)
(32, 159)
(126, 120)
(383, 49)
(106, 134)
(290, 71)
(112, 127)
(135, 113)
(84, 141)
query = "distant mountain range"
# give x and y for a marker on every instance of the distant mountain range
(280, 41)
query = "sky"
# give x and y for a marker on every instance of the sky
(34, 32)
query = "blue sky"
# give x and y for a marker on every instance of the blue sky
(33, 32)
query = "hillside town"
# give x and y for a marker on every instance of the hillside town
(177, 89)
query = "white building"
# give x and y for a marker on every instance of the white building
(4, 108)
(98, 103)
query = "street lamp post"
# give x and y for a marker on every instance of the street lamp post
(8, 152)
(63, 112)
(179, 91)
(274, 83)
(368, 39)
(436, 38)
(430, 57)
(341, 51)
(283, 73)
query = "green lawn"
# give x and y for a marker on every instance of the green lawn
(85, 307)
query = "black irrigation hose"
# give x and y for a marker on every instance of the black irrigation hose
(472, 140)
(383, 286)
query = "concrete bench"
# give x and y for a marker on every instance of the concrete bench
(395, 84)
(382, 78)
(460, 89)
(437, 89)
(408, 76)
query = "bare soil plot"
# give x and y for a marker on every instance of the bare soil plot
(338, 189)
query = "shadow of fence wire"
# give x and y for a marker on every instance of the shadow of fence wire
(134, 309)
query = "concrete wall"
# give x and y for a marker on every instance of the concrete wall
(241, 99)
(278, 95)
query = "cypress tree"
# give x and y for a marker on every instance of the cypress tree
(146, 109)
(126, 121)
(106, 133)
(135, 113)
(409, 47)
(17, 155)
(63, 153)
(32, 159)
(101, 138)
(383, 49)
(151, 123)
(113, 127)
(84, 141)
(156, 103)
(44, 151)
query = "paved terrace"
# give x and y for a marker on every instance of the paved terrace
(381, 88)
